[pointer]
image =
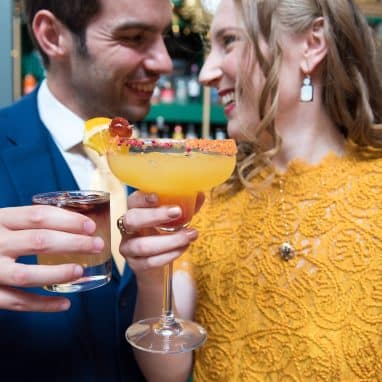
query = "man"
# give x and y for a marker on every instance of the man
(102, 58)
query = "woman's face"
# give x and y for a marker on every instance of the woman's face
(225, 61)
(223, 64)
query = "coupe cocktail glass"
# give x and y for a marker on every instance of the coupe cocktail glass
(176, 170)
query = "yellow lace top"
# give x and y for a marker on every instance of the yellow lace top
(316, 317)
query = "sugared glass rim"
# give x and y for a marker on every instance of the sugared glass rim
(167, 145)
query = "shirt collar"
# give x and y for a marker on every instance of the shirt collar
(66, 127)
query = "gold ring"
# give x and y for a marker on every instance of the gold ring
(122, 228)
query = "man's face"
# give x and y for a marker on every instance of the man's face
(126, 56)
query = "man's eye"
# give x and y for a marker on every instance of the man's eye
(133, 38)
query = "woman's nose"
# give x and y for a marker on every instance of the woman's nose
(210, 72)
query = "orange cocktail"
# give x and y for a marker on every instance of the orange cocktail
(175, 170)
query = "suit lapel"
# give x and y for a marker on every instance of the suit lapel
(33, 153)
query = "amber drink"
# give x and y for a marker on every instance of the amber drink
(97, 266)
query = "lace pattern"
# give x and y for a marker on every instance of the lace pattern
(316, 317)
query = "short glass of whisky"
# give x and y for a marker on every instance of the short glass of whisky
(97, 266)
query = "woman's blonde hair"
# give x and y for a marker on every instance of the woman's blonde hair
(351, 93)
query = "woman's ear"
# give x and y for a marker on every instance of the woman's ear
(315, 46)
(51, 35)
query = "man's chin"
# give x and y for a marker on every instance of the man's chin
(137, 113)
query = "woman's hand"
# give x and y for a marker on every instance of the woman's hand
(146, 252)
(142, 246)
(44, 230)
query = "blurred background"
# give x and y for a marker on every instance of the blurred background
(180, 106)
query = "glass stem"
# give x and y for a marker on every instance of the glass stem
(167, 317)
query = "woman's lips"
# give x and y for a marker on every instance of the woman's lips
(229, 108)
(227, 99)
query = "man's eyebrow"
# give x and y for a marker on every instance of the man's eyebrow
(139, 25)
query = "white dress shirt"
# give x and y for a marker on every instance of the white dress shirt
(67, 130)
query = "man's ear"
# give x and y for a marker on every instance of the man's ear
(315, 46)
(52, 36)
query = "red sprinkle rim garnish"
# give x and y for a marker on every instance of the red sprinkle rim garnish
(221, 146)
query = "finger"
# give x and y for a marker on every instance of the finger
(136, 219)
(17, 243)
(139, 199)
(18, 300)
(141, 264)
(155, 245)
(22, 275)
(50, 217)
(199, 201)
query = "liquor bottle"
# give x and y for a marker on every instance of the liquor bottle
(193, 85)
(29, 83)
(167, 94)
(191, 131)
(178, 132)
(153, 132)
(160, 122)
(220, 133)
(166, 131)
(144, 131)
(181, 91)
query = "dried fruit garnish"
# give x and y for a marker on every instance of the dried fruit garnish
(120, 127)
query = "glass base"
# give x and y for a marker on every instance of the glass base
(152, 336)
(93, 277)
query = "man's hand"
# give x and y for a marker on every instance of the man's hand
(41, 229)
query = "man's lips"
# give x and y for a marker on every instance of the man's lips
(141, 89)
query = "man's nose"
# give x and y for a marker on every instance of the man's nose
(159, 60)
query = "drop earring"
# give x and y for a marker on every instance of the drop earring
(306, 92)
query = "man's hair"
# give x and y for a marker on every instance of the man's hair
(74, 14)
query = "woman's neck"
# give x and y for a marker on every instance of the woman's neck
(309, 135)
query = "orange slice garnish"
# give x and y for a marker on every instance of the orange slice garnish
(97, 135)
(103, 134)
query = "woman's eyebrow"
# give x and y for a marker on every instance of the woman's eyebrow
(218, 34)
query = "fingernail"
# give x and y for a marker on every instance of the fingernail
(89, 226)
(78, 271)
(98, 244)
(174, 212)
(152, 198)
(64, 305)
(192, 234)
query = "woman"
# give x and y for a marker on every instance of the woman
(294, 293)
(288, 263)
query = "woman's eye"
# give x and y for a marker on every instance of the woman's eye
(229, 39)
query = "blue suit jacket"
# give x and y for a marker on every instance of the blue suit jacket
(87, 342)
